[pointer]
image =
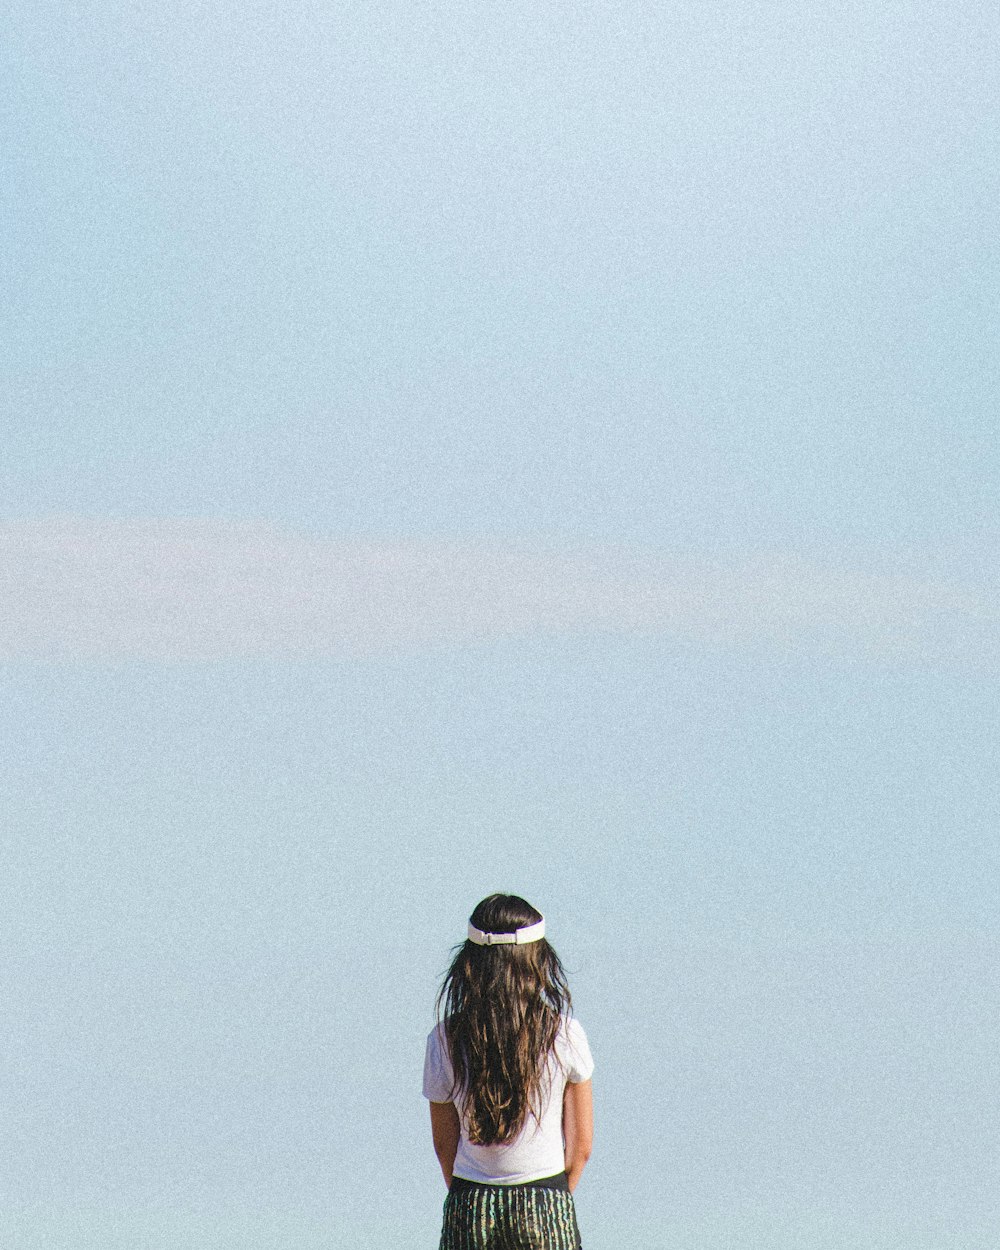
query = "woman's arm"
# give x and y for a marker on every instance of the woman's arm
(444, 1131)
(578, 1128)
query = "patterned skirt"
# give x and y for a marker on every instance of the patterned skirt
(509, 1217)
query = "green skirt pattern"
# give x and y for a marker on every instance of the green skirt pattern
(509, 1217)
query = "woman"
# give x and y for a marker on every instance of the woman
(507, 1073)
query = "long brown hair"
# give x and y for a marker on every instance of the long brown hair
(502, 1007)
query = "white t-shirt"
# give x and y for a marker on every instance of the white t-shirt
(538, 1149)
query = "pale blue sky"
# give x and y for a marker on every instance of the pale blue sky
(468, 447)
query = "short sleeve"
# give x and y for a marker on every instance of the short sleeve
(577, 1059)
(438, 1077)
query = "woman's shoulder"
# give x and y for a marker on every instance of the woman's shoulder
(438, 1036)
(570, 1028)
(573, 1049)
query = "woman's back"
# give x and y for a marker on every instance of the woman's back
(538, 1149)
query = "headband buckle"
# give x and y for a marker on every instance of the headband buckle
(520, 937)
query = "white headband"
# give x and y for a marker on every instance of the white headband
(520, 937)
